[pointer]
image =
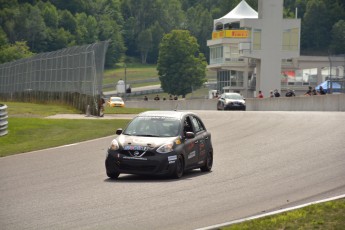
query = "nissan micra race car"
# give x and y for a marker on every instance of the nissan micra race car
(160, 143)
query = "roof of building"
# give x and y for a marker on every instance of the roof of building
(242, 10)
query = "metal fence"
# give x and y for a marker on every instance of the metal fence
(73, 76)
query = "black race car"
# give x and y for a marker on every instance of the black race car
(160, 143)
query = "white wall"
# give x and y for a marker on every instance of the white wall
(334, 102)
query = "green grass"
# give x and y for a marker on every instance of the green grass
(21, 109)
(28, 130)
(118, 110)
(29, 134)
(324, 216)
(133, 72)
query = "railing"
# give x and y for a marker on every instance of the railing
(3, 120)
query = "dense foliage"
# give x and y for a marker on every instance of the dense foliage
(181, 67)
(136, 27)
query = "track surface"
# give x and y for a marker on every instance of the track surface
(263, 161)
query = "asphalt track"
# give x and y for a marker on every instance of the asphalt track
(263, 161)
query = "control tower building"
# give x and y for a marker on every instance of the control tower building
(249, 49)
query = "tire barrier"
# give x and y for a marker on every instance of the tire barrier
(3, 120)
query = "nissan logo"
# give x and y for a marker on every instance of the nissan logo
(136, 153)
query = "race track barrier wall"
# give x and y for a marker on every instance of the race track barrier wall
(3, 120)
(334, 102)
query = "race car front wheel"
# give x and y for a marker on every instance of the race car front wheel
(179, 167)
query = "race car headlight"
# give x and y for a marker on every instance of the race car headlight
(114, 145)
(166, 148)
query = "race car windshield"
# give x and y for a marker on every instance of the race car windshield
(153, 127)
(233, 96)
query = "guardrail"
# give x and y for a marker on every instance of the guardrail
(135, 93)
(3, 120)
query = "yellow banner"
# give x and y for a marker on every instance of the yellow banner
(230, 34)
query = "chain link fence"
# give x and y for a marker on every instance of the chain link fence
(71, 76)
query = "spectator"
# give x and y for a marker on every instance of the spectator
(260, 95)
(101, 107)
(290, 93)
(314, 92)
(276, 93)
(175, 98)
(322, 91)
(309, 92)
(170, 97)
(145, 98)
(157, 98)
(271, 94)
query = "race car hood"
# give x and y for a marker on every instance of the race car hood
(234, 100)
(152, 142)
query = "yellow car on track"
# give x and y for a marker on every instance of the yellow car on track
(116, 102)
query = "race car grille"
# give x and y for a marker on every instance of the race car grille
(138, 168)
(132, 153)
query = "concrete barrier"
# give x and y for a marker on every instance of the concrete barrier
(3, 120)
(333, 102)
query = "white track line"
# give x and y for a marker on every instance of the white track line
(270, 213)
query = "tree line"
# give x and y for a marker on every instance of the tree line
(136, 28)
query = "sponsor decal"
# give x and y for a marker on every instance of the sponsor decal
(171, 162)
(190, 146)
(191, 155)
(200, 162)
(202, 148)
(178, 141)
(172, 158)
(135, 148)
(135, 158)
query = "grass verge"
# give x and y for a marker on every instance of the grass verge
(28, 130)
(29, 134)
(323, 216)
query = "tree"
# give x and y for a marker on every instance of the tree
(315, 26)
(181, 67)
(338, 38)
(144, 44)
(157, 35)
(11, 52)
(87, 29)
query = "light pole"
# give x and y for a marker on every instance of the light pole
(125, 79)
(330, 74)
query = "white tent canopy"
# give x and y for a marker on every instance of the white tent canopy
(242, 10)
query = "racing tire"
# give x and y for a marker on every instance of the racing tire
(113, 175)
(218, 106)
(208, 164)
(179, 168)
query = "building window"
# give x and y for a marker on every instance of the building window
(229, 78)
(291, 39)
(216, 55)
(257, 39)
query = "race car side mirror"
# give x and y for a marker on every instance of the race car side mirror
(190, 135)
(119, 131)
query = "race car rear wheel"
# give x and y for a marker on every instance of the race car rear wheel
(208, 164)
